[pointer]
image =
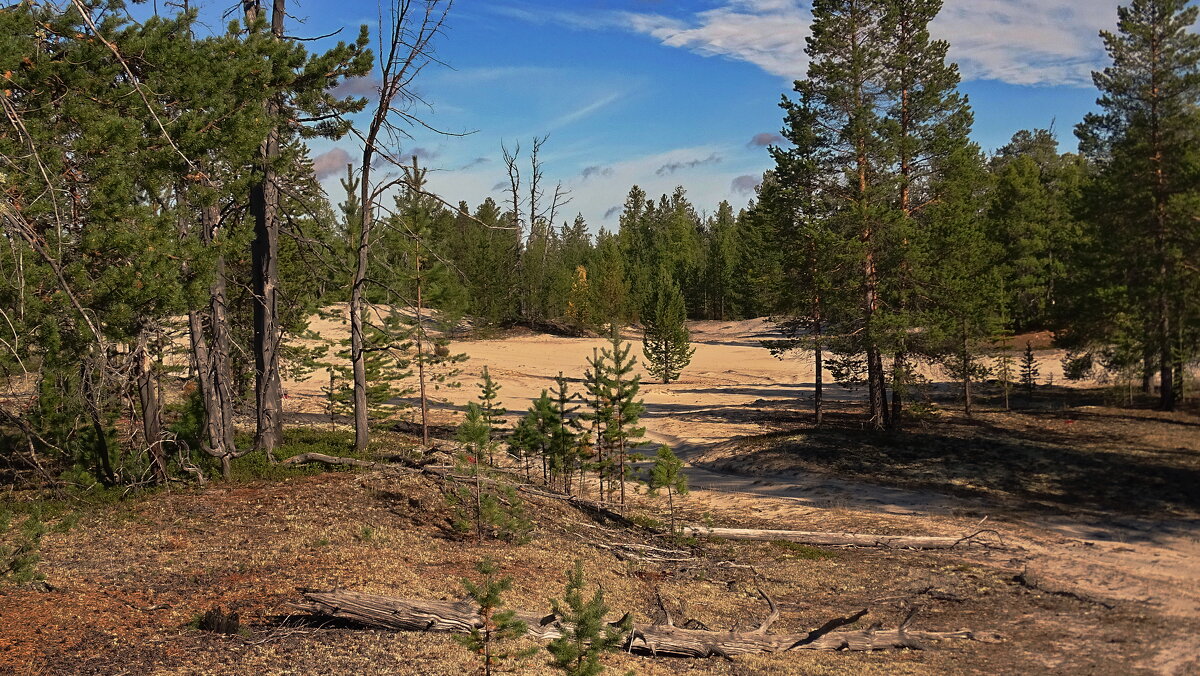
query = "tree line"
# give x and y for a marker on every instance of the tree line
(159, 193)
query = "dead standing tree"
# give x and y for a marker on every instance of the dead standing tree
(405, 50)
(538, 215)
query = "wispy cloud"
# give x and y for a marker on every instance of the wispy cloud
(484, 74)
(768, 33)
(331, 163)
(672, 167)
(423, 153)
(583, 111)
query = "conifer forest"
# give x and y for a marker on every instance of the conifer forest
(283, 390)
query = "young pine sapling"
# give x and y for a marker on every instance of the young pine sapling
(498, 626)
(586, 635)
(667, 472)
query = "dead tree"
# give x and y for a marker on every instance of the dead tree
(404, 53)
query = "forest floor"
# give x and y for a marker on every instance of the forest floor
(1098, 504)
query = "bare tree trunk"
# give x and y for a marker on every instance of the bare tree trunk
(671, 507)
(92, 396)
(1148, 361)
(966, 372)
(818, 370)
(264, 205)
(421, 344)
(357, 340)
(212, 361)
(150, 399)
(403, 51)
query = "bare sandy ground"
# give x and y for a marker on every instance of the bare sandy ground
(718, 398)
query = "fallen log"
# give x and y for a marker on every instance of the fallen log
(333, 460)
(838, 539)
(666, 639)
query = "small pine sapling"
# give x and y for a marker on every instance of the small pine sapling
(498, 626)
(565, 434)
(586, 636)
(600, 415)
(621, 392)
(497, 510)
(474, 434)
(493, 412)
(1029, 369)
(667, 472)
(525, 441)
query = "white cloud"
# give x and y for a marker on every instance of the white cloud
(768, 33)
(1025, 42)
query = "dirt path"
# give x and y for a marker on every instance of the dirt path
(729, 391)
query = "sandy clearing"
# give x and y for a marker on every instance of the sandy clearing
(721, 396)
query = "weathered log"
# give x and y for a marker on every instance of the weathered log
(836, 539)
(666, 639)
(323, 459)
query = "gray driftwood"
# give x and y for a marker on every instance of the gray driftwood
(837, 539)
(664, 639)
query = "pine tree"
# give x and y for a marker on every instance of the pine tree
(842, 96)
(527, 440)
(586, 635)
(620, 408)
(499, 626)
(667, 472)
(600, 415)
(1143, 142)
(666, 342)
(562, 447)
(608, 283)
(721, 263)
(1029, 369)
(493, 413)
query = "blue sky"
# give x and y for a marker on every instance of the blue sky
(664, 93)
